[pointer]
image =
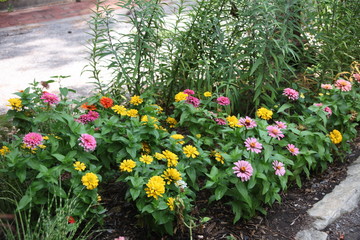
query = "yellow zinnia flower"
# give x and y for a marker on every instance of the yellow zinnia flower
(119, 109)
(145, 147)
(98, 198)
(90, 180)
(178, 137)
(155, 187)
(146, 159)
(15, 104)
(233, 121)
(219, 158)
(171, 175)
(79, 166)
(171, 121)
(264, 113)
(159, 156)
(207, 94)
(335, 136)
(127, 165)
(132, 113)
(190, 151)
(171, 203)
(172, 158)
(180, 96)
(4, 150)
(136, 100)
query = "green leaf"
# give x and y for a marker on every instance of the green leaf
(21, 174)
(58, 156)
(256, 65)
(240, 186)
(220, 191)
(131, 152)
(284, 107)
(192, 174)
(25, 200)
(134, 193)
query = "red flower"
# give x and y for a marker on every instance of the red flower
(71, 220)
(106, 102)
(88, 107)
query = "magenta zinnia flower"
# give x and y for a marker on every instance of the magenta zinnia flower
(223, 101)
(189, 92)
(243, 170)
(247, 122)
(50, 98)
(291, 93)
(275, 132)
(88, 142)
(279, 168)
(318, 104)
(220, 121)
(33, 139)
(343, 85)
(327, 86)
(357, 77)
(292, 149)
(89, 117)
(328, 111)
(193, 100)
(281, 125)
(253, 145)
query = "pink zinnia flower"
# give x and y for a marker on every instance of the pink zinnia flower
(292, 149)
(88, 142)
(33, 139)
(279, 168)
(328, 111)
(50, 98)
(247, 122)
(327, 86)
(189, 92)
(357, 77)
(89, 117)
(281, 125)
(223, 101)
(275, 132)
(220, 121)
(318, 104)
(343, 85)
(253, 145)
(291, 93)
(193, 100)
(243, 170)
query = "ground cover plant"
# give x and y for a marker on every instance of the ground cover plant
(176, 119)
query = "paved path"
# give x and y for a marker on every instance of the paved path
(49, 13)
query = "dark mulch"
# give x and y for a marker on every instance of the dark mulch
(282, 221)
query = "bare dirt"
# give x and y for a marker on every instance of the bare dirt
(282, 222)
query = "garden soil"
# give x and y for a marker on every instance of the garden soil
(282, 221)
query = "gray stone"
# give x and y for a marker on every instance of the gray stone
(311, 234)
(344, 198)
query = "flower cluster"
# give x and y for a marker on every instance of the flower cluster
(90, 180)
(106, 102)
(343, 85)
(15, 104)
(291, 93)
(89, 117)
(335, 136)
(127, 165)
(33, 140)
(264, 113)
(136, 100)
(50, 98)
(243, 170)
(88, 142)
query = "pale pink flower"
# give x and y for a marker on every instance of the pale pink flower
(247, 122)
(253, 145)
(328, 111)
(89, 117)
(357, 77)
(291, 93)
(327, 86)
(275, 132)
(223, 101)
(279, 168)
(119, 238)
(343, 85)
(50, 98)
(88, 142)
(292, 149)
(193, 100)
(33, 139)
(281, 125)
(220, 121)
(318, 104)
(243, 170)
(189, 92)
